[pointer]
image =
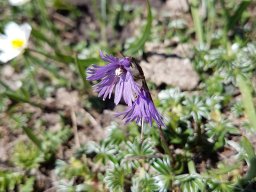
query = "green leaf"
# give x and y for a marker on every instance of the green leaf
(26, 156)
(82, 62)
(144, 183)
(197, 21)
(33, 137)
(82, 65)
(38, 34)
(52, 69)
(247, 147)
(28, 185)
(66, 58)
(139, 44)
(238, 13)
(250, 159)
(20, 98)
(191, 182)
(115, 179)
(224, 169)
(251, 173)
(164, 173)
(247, 99)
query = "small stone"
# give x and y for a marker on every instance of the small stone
(64, 98)
(174, 5)
(7, 71)
(171, 71)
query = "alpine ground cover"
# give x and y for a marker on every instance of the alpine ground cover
(127, 95)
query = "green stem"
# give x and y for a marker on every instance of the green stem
(43, 13)
(164, 143)
(247, 99)
(103, 6)
(33, 77)
(198, 131)
(103, 20)
(42, 53)
(18, 98)
(142, 130)
(226, 29)
(41, 4)
(197, 21)
(4, 85)
(52, 57)
(81, 72)
(210, 22)
(54, 75)
(191, 167)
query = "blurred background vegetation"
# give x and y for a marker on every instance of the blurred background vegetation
(199, 58)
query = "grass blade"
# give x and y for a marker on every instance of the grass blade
(247, 100)
(82, 65)
(238, 13)
(197, 21)
(250, 159)
(139, 44)
(33, 137)
(248, 148)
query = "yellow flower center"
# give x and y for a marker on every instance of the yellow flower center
(17, 43)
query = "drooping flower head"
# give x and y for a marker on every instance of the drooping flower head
(118, 77)
(114, 77)
(143, 110)
(13, 41)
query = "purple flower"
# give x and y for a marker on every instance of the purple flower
(143, 109)
(115, 75)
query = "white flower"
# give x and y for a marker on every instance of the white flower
(14, 41)
(18, 2)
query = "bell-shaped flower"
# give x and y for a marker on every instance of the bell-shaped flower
(18, 2)
(114, 77)
(13, 41)
(143, 110)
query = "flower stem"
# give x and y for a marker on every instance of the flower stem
(197, 21)
(164, 143)
(142, 130)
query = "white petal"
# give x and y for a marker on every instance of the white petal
(17, 2)
(4, 42)
(13, 30)
(26, 28)
(8, 55)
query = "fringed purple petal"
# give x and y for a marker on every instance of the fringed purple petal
(95, 72)
(119, 90)
(115, 75)
(106, 86)
(126, 62)
(109, 58)
(143, 109)
(131, 89)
